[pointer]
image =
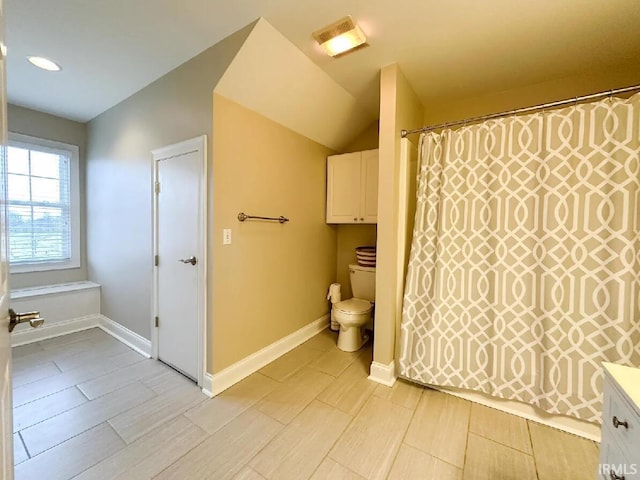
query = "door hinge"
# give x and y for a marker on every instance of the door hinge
(156, 260)
(157, 322)
(157, 187)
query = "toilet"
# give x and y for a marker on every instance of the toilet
(353, 314)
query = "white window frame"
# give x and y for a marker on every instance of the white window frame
(50, 146)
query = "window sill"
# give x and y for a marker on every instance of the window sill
(43, 267)
(52, 289)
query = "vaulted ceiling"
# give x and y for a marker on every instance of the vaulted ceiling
(448, 49)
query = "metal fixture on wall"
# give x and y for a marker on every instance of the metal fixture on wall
(243, 216)
(535, 108)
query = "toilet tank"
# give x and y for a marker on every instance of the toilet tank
(363, 282)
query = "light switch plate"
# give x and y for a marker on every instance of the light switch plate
(226, 236)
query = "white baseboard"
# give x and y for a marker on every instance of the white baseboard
(572, 425)
(54, 330)
(65, 327)
(207, 385)
(126, 336)
(384, 374)
(233, 374)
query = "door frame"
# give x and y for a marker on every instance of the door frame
(197, 144)
(6, 384)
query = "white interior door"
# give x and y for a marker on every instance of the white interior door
(6, 409)
(180, 233)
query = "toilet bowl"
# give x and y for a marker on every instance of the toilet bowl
(353, 314)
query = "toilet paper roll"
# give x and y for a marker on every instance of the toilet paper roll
(334, 293)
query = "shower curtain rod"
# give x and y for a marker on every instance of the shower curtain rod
(559, 103)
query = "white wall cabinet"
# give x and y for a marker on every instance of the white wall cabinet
(620, 445)
(352, 187)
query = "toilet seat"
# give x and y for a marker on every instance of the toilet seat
(353, 306)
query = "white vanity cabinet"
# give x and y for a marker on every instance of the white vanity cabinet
(620, 445)
(352, 187)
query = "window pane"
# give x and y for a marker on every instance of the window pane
(39, 206)
(20, 247)
(51, 233)
(45, 164)
(19, 218)
(48, 247)
(18, 187)
(45, 190)
(18, 160)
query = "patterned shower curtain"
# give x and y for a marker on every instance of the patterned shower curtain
(524, 273)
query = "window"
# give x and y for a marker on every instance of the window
(43, 204)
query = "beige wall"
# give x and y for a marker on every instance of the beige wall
(272, 280)
(366, 140)
(272, 77)
(176, 107)
(37, 124)
(535, 94)
(351, 236)
(348, 238)
(400, 109)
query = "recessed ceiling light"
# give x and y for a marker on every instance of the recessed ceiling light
(45, 64)
(340, 37)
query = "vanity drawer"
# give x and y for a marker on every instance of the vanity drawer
(614, 462)
(621, 421)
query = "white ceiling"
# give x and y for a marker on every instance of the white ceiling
(109, 49)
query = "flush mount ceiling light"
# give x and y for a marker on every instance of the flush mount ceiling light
(45, 64)
(340, 37)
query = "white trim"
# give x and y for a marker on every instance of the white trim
(233, 374)
(571, 425)
(30, 292)
(187, 146)
(54, 330)
(126, 336)
(73, 151)
(207, 385)
(383, 374)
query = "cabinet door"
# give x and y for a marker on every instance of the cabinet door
(369, 187)
(343, 188)
(614, 458)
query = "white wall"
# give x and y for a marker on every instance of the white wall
(176, 107)
(42, 125)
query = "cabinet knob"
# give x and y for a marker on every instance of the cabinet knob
(617, 423)
(362, 219)
(355, 219)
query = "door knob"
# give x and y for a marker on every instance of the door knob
(32, 317)
(192, 260)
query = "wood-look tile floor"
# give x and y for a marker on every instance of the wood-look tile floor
(88, 407)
